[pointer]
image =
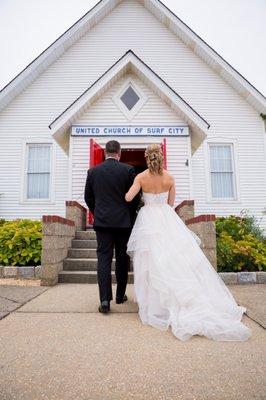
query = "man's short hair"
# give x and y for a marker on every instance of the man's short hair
(112, 147)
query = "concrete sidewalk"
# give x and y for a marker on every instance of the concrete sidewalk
(57, 346)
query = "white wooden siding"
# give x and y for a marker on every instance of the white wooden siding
(105, 111)
(11, 178)
(154, 111)
(131, 26)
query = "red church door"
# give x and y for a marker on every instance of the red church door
(96, 157)
(163, 145)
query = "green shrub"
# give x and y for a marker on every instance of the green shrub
(241, 245)
(20, 242)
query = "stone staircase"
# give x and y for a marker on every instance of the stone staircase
(69, 244)
(80, 265)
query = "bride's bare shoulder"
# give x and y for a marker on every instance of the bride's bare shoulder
(168, 175)
(140, 176)
(143, 174)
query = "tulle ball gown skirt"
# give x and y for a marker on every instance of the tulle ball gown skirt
(175, 285)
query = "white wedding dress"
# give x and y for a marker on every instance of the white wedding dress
(175, 285)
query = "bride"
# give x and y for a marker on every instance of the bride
(175, 284)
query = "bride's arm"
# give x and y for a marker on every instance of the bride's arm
(171, 196)
(133, 191)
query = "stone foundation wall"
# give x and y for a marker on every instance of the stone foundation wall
(77, 213)
(20, 272)
(204, 227)
(58, 233)
(185, 210)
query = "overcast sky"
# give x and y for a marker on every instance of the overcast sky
(236, 29)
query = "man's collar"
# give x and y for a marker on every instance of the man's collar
(110, 157)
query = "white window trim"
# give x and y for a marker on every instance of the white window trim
(23, 180)
(130, 114)
(189, 153)
(70, 165)
(234, 146)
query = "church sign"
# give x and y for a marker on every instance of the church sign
(126, 130)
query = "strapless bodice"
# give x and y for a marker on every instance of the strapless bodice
(155, 199)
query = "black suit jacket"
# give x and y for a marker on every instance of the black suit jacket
(105, 189)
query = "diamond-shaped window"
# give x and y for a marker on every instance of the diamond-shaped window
(129, 98)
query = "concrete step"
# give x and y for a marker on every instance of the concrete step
(80, 264)
(84, 264)
(82, 253)
(84, 244)
(85, 235)
(85, 277)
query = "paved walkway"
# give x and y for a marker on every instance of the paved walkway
(56, 346)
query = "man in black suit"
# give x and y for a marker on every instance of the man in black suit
(105, 189)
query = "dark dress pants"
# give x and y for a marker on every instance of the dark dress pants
(109, 240)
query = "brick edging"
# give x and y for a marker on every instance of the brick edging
(201, 218)
(233, 278)
(20, 272)
(57, 218)
(73, 203)
(184, 203)
(243, 277)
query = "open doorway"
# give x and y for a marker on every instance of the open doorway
(134, 157)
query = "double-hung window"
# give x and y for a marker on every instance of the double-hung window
(222, 171)
(38, 171)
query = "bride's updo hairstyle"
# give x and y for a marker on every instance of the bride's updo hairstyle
(154, 159)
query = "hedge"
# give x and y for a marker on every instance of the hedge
(241, 244)
(20, 242)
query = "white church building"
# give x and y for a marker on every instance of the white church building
(131, 70)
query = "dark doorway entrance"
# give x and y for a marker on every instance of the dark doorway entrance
(134, 157)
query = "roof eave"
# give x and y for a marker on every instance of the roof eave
(55, 50)
(256, 99)
(252, 95)
(130, 60)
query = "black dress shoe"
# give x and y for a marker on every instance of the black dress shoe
(104, 307)
(119, 301)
